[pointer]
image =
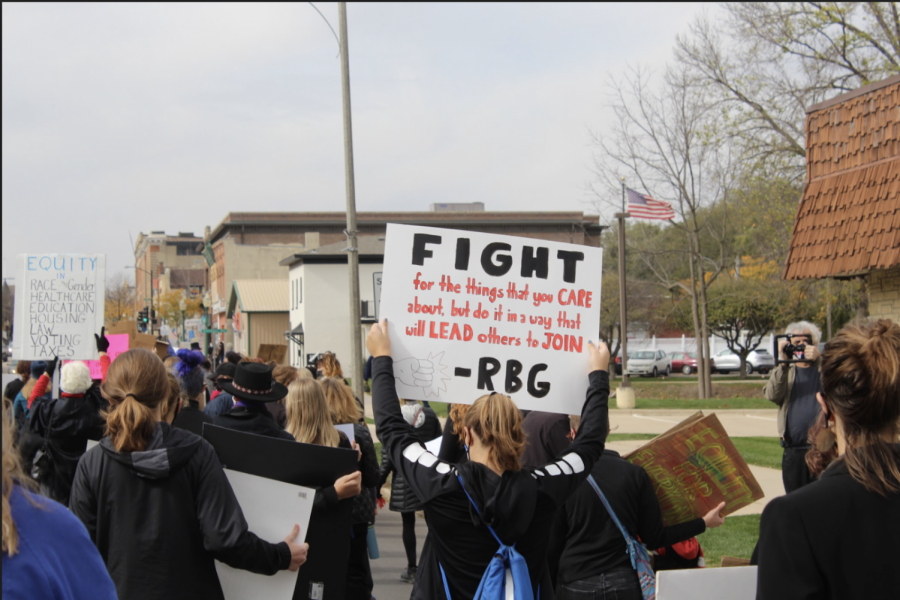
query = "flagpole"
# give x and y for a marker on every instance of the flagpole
(625, 393)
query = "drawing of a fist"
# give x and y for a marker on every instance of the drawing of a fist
(415, 372)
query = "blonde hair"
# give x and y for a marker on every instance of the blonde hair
(12, 475)
(136, 385)
(308, 415)
(285, 375)
(303, 373)
(341, 401)
(497, 422)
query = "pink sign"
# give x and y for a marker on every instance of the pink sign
(118, 343)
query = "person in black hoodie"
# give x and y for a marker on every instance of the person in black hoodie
(155, 499)
(836, 538)
(190, 377)
(518, 504)
(589, 549)
(62, 427)
(427, 427)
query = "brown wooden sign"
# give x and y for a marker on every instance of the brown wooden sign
(694, 466)
(276, 352)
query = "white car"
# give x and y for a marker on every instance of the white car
(649, 362)
(759, 361)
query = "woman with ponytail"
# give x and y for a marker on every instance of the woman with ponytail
(155, 499)
(467, 504)
(837, 538)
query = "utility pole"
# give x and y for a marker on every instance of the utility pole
(352, 247)
(625, 393)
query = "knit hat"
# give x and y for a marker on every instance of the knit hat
(75, 377)
(38, 368)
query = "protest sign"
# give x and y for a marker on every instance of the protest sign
(471, 313)
(58, 306)
(309, 466)
(118, 343)
(271, 509)
(275, 352)
(694, 466)
(736, 583)
(347, 430)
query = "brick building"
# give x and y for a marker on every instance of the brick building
(155, 253)
(848, 221)
(252, 245)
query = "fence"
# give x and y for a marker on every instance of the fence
(686, 344)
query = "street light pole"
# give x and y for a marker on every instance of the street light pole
(352, 247)
(150, 327)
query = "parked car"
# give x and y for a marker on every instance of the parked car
(759, 361)
(649, 362)
(686, 362)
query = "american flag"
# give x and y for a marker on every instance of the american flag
(642, 206)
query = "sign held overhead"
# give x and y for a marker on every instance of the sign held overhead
(472, 313)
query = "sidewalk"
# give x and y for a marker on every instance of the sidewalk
(386, 569)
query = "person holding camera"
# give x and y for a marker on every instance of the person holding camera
(793, 387)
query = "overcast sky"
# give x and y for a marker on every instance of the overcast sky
(120, 118)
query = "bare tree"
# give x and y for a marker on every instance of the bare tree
(666, 142)
(120, 297)
(767, 62)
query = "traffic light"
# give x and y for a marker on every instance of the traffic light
(143, 316)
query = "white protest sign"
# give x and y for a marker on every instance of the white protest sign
(470, 313)
(59, 305)
(271, 508)
(734, 583)
(347, 430)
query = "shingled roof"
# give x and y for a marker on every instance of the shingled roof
(848, 222)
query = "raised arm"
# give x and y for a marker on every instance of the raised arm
(560, 479)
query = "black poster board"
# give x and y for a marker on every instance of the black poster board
(306, 465)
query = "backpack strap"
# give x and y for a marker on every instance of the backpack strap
(628, 537)
(491, 529)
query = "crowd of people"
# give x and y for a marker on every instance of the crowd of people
(517, 504)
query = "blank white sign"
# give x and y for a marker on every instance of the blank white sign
(734, 583)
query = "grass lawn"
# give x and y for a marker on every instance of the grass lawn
(737, 537)
(619, 437)
(746, 403)
(762, 451)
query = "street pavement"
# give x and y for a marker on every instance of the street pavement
(386, 569)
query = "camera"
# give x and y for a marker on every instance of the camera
(791, 353)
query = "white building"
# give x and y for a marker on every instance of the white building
(319, 287)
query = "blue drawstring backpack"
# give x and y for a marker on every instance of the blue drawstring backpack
(507, 568)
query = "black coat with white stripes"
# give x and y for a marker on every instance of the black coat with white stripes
(519, 505)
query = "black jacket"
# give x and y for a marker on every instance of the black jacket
(547, 437)
(364, 503)
(587, 542)
(67, 424)
(452, 449)
(831, 539)
(403, 498)
(191, 418)
(519, 505)
(256, 420)
(159, 521)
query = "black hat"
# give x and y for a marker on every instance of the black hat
(195, 345)
(253, 381)
(223, 370)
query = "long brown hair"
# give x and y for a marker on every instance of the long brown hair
(498, 423)
(12, 475)
(331, 367)
(341, 401)
(137, 383)
(457, 417)
(861, 385)
(308, 415)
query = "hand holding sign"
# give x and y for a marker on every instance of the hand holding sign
(415, 372)
(714, 518)
(377, 341)
(298, 551)
(102, 341)
(599, 356)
